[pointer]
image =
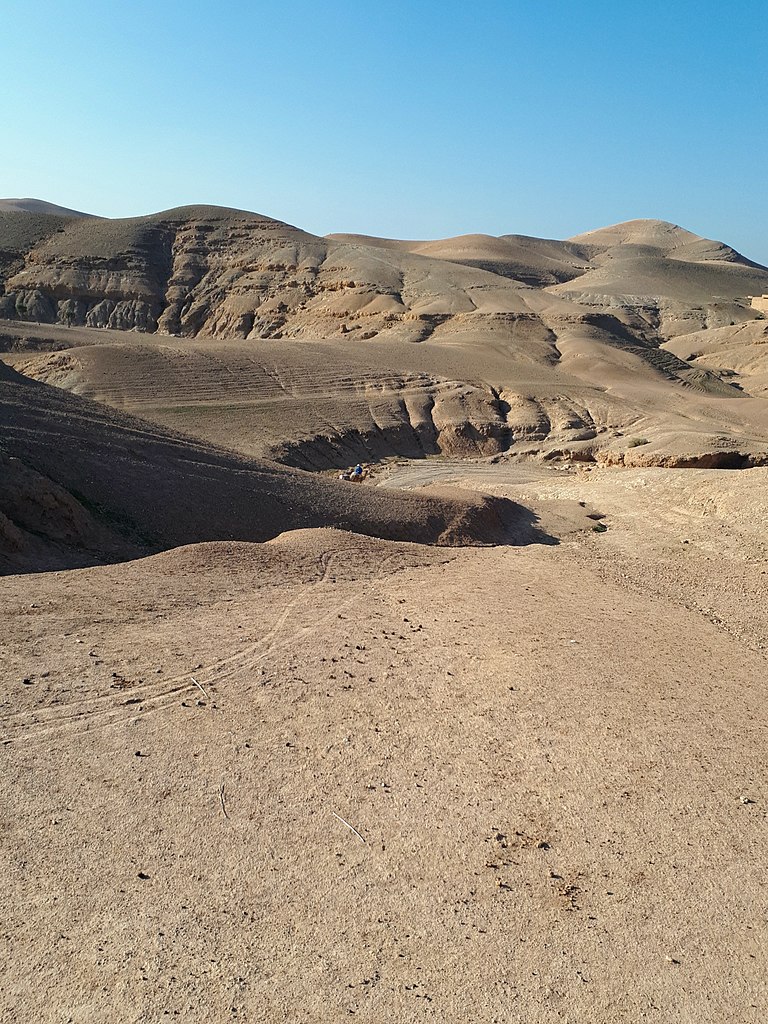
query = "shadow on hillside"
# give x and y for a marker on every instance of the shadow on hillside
(521, 525)
(80, 483)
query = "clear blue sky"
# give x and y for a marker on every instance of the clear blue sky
(403, 118)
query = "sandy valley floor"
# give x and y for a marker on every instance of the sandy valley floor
(330, 778)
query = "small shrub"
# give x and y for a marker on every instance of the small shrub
(635, 442)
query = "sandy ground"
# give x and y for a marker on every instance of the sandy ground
(694, 537)
(331, 777)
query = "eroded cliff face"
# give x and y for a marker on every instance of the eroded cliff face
(229, 273)
(145, 274)
(213, 272)
(226, 274)
(545, 367)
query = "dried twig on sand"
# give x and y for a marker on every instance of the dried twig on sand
(199, 687)
(350, 827)
(221, 800)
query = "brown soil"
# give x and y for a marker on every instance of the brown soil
(331, 776)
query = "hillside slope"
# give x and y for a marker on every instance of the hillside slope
(38, 206)
(525, 345)
(202, 270)
(82, 483)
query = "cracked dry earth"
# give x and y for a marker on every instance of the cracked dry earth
(331, 778)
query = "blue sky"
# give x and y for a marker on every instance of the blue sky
(407, 119)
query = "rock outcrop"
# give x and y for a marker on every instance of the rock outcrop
(560, 332)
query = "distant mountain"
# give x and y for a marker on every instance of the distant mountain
(544, 262)
(469, 345)
(38, 206)
(210, 271)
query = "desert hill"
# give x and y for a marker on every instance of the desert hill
(533, 261)
(248, 332)
(232, 274)
(82, 483)
(228, 273)
(316, 405)
(652, 260)
(666, 238)
(38, 206)
(542, 262)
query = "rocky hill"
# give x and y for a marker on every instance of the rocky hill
(231, 274)
(38, 206)
(471, 345)
(81, 484)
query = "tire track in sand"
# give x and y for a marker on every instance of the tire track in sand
(156, 696)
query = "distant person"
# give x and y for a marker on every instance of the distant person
(358, 470)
